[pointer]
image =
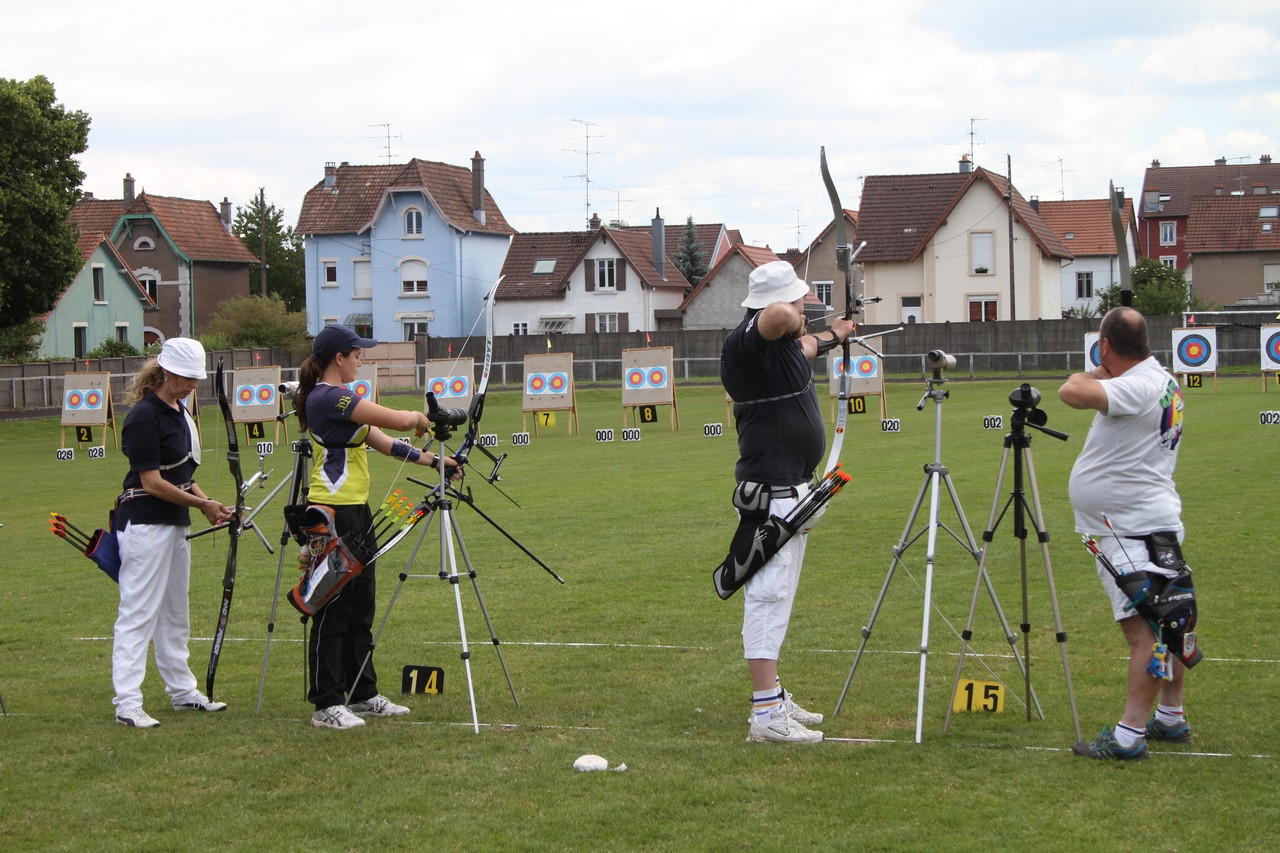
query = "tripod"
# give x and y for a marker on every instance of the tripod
(299, 479)
(935, 474)
(1018, 441)
(440, 500)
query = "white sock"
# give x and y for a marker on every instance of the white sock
(1170, 715)
(765, 702)
(1128, 737)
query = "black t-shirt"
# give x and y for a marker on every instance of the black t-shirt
(780, 431)
(155, 435)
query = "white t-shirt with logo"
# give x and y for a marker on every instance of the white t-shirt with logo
(1126, 467)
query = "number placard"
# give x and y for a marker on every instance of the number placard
(712, 430)
(428, 680)
(548, 419)
(890, 425)
(648, 414)
(1269, 418)
(978, 697)
(993, 422)
(66, 454)
(84, 434)
(97, 451)
(1194, 380)
(858, 405)
(520, 439)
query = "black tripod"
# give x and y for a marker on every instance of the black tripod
(299, 479)
(935, 475)
(440, 500)
(1018, 441)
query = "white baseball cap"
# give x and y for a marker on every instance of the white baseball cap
(773, 282)
(183, 357)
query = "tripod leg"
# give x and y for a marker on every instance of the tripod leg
(271, 620)
(928, 596)
(898, 551)
(475, 584)
(1059, 634)
(446, 553)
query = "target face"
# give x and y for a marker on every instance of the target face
(536, 383)
(246, 394)
(635, 378)
(459, 386)
(1271, 348)
(1194, 350)
(74, 399)
(657, 377)
(266, 395)
(437, 386)
(558, 382)
(361, 388)
(865, 367)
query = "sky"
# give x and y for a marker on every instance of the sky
(710, 109)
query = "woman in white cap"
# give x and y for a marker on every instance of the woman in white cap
(153, 518)
(343, 425)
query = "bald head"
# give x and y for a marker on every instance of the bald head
(1126, 331)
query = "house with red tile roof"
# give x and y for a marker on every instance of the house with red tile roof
(398, 250)
(938, 250)
(104, 301)
(181, 250)
(1084, 226)
(1234, 244)
(713, 240)
(1167, 192)
(716, 301)
(596, 281)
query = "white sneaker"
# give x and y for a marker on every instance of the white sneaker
(199, 702)
(136, 718)
(800, 715)
(378, 706)
(335, 717)
(780, 727)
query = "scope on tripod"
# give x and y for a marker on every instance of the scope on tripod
(1024, 397)
(289, 389)
(441, 416)
(939, 360)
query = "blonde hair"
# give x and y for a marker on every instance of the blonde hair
(148, 378)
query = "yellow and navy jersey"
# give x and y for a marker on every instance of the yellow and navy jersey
(340, 476)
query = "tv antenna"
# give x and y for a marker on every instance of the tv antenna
(1062, 183)
(617, 219)
(387, 137)
(972, 121)
(585, 151)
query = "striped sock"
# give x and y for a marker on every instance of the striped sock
(1128, 737)
(765, 702)
(1170, 715)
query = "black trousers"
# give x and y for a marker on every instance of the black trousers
(342, 632)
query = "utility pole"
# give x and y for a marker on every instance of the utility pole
(1013, 296)
(262, 240)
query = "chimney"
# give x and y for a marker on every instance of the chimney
(477, 187)
(1035, 203)
(128, 190)
(1264, 160)
(1155, 164)
(1221, 161)
(594, 222)
(226, 214)
(330, 175)
(966, 166)
(1120, 197)
(87, 195)
(659, 244)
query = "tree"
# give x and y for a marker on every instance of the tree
(39, 184)
(286, 276)
(257, 321)
(1158, 290)
(688, 257)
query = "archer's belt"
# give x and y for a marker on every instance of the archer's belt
(130, 494)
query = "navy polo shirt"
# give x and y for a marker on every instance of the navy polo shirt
(155, 435)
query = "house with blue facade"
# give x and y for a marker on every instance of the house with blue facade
(103, 301)
(399, 250)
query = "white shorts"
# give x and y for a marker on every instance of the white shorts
(770, 592)
(1126, 555)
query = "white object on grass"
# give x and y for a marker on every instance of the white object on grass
(587, 763)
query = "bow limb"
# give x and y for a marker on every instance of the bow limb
(852, 306)
(235, 527)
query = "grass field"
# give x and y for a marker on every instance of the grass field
(635, 659)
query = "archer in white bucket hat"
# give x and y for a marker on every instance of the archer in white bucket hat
(773, 282)
(183, 357)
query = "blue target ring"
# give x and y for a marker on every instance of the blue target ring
(1194, 350)
(1095, 357)
(1272, 348)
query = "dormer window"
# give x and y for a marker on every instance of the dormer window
(144, 244)
(544, 266)
(413, 222)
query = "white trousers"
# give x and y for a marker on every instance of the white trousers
(770, 592)
(155, 572)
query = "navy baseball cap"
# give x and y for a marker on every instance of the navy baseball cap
(335, 339)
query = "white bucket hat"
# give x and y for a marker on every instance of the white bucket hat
(773, 282)
(183, 357)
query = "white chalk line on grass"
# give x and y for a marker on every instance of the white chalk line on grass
(678, 648)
